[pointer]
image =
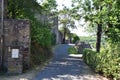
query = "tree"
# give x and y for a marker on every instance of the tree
(104, 14)
(49, 5)
(94, 15)
(112, 21)
(75, 38)
(66, 21)
(23, 8)
(91, 11)
(65, 31)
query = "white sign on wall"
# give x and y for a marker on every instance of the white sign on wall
(15, 53)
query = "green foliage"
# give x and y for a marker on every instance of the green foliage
(75, 38)
(65, 32)
(41, 34)
(49, 5)
(53, 39)
(89, 57)
(88, 38)
(67, 21)
(26, 9)
(109, 60)
(39, 55)
(106, 62)
(72, 50)
(92, 40)
(23, 9)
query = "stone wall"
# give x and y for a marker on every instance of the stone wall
(16, 36)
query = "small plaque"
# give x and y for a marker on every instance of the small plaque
(15, 53)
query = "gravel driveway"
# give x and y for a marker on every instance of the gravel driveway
(65, 67)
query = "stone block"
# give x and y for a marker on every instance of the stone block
(16, 36)
(15, 67)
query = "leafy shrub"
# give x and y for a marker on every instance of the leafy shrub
(106, 62)
(39, 55)
(72, 50)
(75, 38)
(109, 61)
(41, 34)
(53, 39)
(40, 43)
(89, 57)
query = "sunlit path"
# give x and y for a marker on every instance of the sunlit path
(65, 67)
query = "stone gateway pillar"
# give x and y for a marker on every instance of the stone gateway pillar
(16, 45)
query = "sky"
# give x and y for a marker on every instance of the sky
(80, 31)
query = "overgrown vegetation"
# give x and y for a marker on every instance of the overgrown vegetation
(40, 32)
(75, 38)
(53, 39)
(41, 43)
(106, 62)
(103, 17)
(72, 50)
(39, 54)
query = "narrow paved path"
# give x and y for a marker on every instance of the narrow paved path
(64, 67)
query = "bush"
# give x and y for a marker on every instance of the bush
(109, 62)
(41, 34)
(75, 38)
(106, 62)
(89, 57)
(53, 39)
(40, 43)
(39, 55)
(72, 50)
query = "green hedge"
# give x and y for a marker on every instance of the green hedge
(89, 57)
(75, 38)
(41, 34)
(72, 50)
(106, 62)
(53, 39)
(39, 55)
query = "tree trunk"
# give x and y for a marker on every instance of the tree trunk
(13, 10)
(5, 8)
(64, 37)
(70, 38)
(99, 33)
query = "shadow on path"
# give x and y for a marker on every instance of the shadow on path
(65, 67)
